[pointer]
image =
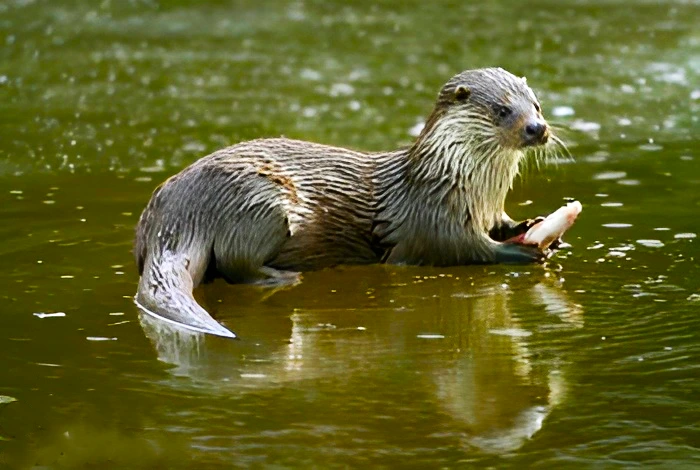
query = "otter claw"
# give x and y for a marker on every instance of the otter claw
(558, 244)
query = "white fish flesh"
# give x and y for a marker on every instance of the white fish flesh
(552, 227)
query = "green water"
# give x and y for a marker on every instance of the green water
(590, 362)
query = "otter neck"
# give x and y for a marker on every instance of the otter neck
(444, 177)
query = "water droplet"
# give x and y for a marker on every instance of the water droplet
(585, 126)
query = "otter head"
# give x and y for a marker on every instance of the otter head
(482, 125)
(489, 108)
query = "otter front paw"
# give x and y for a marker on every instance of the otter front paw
(507, 228)
(510, 253)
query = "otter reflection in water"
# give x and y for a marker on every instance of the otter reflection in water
(471, 362)
(263, 210)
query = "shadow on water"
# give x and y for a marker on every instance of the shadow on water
(472, 357)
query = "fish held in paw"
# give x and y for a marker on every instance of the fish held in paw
(547, 231)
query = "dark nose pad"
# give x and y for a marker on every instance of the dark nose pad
(535, 133)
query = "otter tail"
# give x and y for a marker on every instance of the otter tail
(165, 292)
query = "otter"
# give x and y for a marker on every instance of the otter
(267, 209)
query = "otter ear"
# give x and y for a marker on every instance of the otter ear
(462, 93)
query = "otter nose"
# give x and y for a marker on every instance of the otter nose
(535, 133)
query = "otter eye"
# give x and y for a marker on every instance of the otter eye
(504, 112)
(537, 108)
(462, 93)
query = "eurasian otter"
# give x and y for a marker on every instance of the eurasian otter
(266, 208)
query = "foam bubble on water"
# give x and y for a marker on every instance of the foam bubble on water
(416, 129)
(598, 157)
(514, 332)
(341, 89)
(4, 399)
(617, 225)
(295, 13)
(310, 74)
(309, 112)
(650, 147)
(430, 336)
(158, 166)
(49, 315)
(585, 126)
(623, 247)
(610, 175)
(628, 182)
(563, 111)
(685, 235)
(650, 243)
(669, 73)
